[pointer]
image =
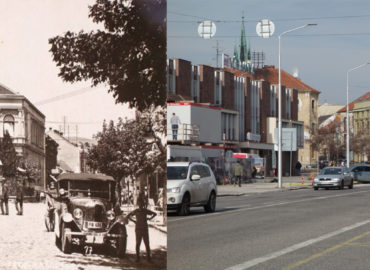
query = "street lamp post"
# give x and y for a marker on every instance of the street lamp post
(347, 113)
(279, 104)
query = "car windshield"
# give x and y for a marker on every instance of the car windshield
(177, 172)
(83, 188)
(329, 170)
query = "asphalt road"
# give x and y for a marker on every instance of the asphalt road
(300, 229)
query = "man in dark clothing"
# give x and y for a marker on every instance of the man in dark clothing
(19, 197)
(298, 166)
(141, 229)
(4, 196)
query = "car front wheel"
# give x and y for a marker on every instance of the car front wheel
(185, 206)
(66, 239)
(211, 204)
(341, 185)
(351, 185)
(119, 249)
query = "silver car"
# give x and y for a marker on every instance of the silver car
(361, 173)
(330, 177)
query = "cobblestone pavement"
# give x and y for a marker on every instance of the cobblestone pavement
(26, 245)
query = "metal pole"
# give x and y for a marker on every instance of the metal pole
(347, 113)
(279, 103)
(279, 121)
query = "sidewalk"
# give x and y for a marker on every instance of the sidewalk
(264, 185)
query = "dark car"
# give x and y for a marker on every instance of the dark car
(361, 173)
(85, 214)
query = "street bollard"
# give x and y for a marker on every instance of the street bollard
(313, 177)
(302, 179)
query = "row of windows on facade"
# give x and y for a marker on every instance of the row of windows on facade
(37, 131)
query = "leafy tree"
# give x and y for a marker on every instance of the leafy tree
(328, 141)
(8, 155)
(130, 147)
(129, 55)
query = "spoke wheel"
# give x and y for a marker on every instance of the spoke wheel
(66, 240)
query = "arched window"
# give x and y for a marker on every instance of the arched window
(9, 124)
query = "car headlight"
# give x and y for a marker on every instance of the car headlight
(77, 213)
(335, 179)
(67, 217)
(174, 190)
(110, 215)
(316, 179)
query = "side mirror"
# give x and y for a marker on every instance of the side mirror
(195, 177)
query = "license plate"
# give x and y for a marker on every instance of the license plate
(94, 239)
(94, 225)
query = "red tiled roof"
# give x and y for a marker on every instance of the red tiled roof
(271, 74)
(239, 73)
(352, 104)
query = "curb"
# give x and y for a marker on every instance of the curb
(272, 190)
(157, 228)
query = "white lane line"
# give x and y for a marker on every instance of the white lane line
(263, 206)
(274, 255)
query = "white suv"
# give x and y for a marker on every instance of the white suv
(190, 184)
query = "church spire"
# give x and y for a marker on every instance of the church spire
(243, 44)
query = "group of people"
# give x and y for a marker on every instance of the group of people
(239, 173)
(4, 196)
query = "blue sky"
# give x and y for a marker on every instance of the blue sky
(322, 54)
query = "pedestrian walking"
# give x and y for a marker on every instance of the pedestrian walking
(19, 197)
(238, 173)
(298, 166)
(175, 122)
(4, 196)
(142, 215)
(254, 172)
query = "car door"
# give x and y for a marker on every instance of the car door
(195, 185)
(366, 173)
(205, 182)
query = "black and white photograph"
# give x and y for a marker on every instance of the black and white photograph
(83, 134)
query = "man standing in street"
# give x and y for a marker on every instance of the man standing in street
(238, 173)
(175, 122)
(19, 197)
(4, 196)
(298, 166)
(142, 215)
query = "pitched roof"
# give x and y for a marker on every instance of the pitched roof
(6, 91)
(271, 74)
(239, 73)
(352, 104)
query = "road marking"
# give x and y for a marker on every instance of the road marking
(317, 255)
(274, 255)
(263, 206)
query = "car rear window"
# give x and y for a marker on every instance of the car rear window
(177, 172)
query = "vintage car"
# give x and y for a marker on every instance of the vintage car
(85, 214)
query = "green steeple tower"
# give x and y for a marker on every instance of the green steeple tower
(243, 44)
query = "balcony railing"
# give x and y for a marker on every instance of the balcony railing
(186, 133)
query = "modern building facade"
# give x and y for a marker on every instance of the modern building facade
(228, 109)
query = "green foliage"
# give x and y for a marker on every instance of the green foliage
(129, 55)
(130, 147)
(8, 156)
